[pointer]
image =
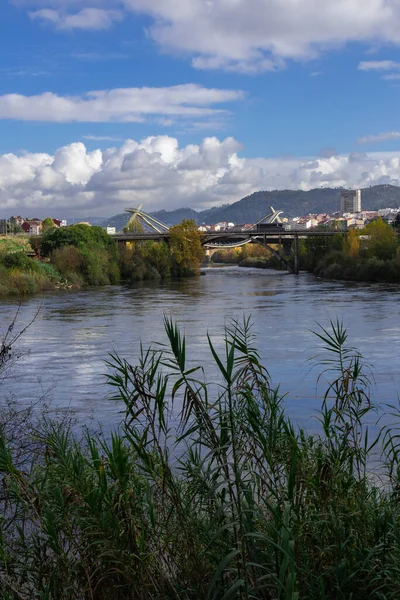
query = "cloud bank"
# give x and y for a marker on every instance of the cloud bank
(243, 35)
(118, 105)
(158, 173)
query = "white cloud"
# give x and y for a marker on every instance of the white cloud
(245, 34)
(159, 173)
(87, 18)
(122, 105)
(248, 35)
(391, 77)
(103, 138)
(378, 65)
(381, 137)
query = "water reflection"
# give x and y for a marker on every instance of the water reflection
(75, 332)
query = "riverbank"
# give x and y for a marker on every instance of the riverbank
(82, 256)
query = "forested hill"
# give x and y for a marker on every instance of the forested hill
(293, 203)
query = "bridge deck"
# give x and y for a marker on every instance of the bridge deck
(228, 235)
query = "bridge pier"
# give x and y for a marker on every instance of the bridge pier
(296, 254)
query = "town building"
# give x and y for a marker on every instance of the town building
(17, 220)
(32, 226)
(350, 201)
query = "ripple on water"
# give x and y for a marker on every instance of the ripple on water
(75, 332)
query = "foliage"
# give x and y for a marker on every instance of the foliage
(134, 226)
(382, 240)
(369, 254)
(240, 254)
(186, 249)
(317, 247)
(84, 255)
(47, 224)
(145, 260)
(352, 243)
(83, 252)
(20, 261)
(207, 491)
(396, 222)
(78, 236)
(13, 244)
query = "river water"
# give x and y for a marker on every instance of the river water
(65, 348)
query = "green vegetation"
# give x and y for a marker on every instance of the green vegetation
(181, 257)
(81, 255)
(369, 254)
(13, 244)
(20, 275)
(250, 255)
(205, 492)
(186, 249)
(48, 224)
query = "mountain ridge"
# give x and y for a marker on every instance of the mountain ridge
(254, 207)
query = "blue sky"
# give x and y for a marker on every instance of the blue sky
(217, 98)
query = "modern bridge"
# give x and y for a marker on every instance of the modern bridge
(259, 233)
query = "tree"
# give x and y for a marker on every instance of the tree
(351, 245)
(76, 235)
(134, 226)
(186, 248)
(48, 224)
(87, 251)
(381, 240)
(318, 247)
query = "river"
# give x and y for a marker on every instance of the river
(65, 348)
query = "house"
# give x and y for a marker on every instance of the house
(16, 221)
(32, 227)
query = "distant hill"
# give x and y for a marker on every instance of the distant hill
(293, 203)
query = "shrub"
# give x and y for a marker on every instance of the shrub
(67, 259)
(50, 272)
(20, 261)
(78, 236)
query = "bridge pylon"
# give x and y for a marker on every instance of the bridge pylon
(139, 215)
(272, 217)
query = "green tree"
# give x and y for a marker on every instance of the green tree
(76, 235)
(381, 240)
(186, 248)
(82, 250)
(396, 222)
(48, 224)
(318, 247)
(134, 226)
(158, 255)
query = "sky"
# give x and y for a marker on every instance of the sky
(105, 104)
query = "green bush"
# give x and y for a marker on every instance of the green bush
(50, 272)
(78, 236)
(67, 259)
(20, 261)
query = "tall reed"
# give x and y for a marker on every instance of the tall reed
(207, 491)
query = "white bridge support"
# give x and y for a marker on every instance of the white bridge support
(139, 215)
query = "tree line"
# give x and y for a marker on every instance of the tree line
(81, 255)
